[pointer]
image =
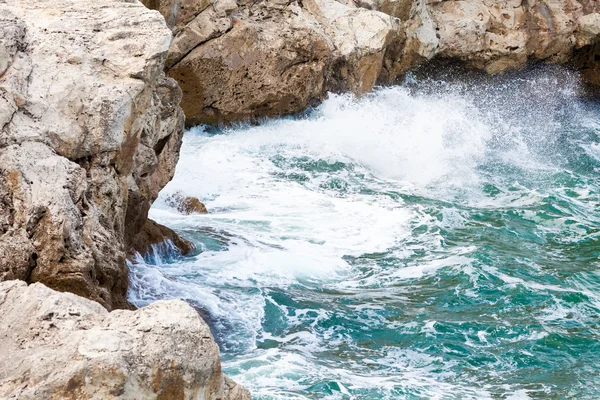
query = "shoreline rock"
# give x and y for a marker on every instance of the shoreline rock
(247, 60)
(154, 234)
(91, 131)
(186, 204)
(59, 345)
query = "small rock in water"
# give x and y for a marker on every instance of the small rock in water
(186, 204)
(191, 205)
(153, 234)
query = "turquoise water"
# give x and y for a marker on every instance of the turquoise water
(431, 240)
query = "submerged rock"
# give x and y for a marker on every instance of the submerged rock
(59, 345)
(153, 234)
(246, 60)
(91, 131)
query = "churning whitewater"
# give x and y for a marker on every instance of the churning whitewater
(431, 240)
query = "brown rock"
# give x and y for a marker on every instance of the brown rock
(501, 35)
(177, 13)
(185, 204)
(153, 234)
(256, 69)
(191, 205)
(255, 59)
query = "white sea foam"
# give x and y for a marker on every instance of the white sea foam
(295, 202)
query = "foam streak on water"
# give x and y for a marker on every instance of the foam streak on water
(430, 240)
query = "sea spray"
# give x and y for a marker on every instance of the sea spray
(431, 240)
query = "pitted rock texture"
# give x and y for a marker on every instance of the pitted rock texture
(254, 58)
(59, 345)
(250, 59)
(90, 132)
(500, 35)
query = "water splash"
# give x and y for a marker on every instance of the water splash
(432, 240)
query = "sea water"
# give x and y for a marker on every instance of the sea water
(432, 240)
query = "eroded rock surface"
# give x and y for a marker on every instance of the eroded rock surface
(500, 35)
(243, 60)
(249, 59)
(59, 345)
(90, 132)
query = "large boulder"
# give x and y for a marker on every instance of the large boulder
(59, 345)
(90, 133)
(256, 69)
(246, 60)
(501, 35)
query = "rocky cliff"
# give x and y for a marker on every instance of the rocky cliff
(253, 58)
(59, 345)
(91, 131)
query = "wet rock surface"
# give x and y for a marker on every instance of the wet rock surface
(153, 234)
(186, 204)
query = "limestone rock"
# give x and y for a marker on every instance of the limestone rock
(59, 345)
(497, 36)
(363, 40)
(185, 204)
(191, 205)
(588, 29)
(255, 69)
(177, 13)
(90, 133)
(246, 59)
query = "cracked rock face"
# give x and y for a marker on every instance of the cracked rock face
(59, 345)
(249, 59)
(90, 132)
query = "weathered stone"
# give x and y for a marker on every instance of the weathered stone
(207, 25)
(256, 59)
(361, 40)
(256, 69)
(248, 60)
(503, 35)
(59, 345)
(191, 205)
(588, 29)
(177, 13)
(91, 131)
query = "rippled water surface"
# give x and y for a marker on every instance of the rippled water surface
(430, 240)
